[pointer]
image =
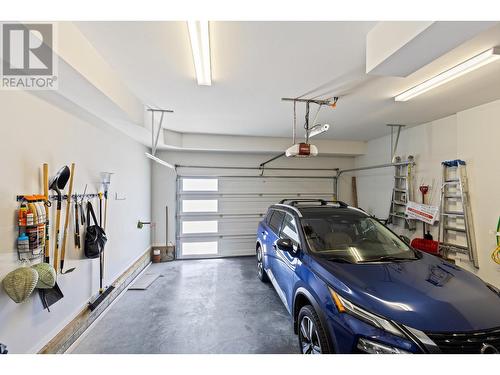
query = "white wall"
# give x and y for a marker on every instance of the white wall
(164, 179)
(33, 132)
(471, 135)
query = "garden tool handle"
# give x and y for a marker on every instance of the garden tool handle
(99, 194)
(46, 194)
(58, 222)
(68, 212)
(77, 226)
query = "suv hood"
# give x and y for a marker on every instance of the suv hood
(428, 294)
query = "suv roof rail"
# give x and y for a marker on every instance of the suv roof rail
(294, 202)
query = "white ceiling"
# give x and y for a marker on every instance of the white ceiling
(254, 64)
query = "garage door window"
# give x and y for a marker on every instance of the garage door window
(205, 226)
(200, 248)
(200, 205)
(200, 184)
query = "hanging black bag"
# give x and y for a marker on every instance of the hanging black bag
(95, 238)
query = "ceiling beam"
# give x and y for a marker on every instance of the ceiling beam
(399, 48)
(248, 144)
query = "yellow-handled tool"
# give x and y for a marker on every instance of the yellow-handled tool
(495, 255)
(57, 183)
(66, 221)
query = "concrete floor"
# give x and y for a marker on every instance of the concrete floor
(197, 306)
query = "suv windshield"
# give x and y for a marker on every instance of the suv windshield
(353, 238)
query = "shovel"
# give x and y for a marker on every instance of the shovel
(48, 296)
(57, 183)
(66, 221)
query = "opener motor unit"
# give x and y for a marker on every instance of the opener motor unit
(301, 150)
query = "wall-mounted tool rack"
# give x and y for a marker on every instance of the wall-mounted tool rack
(64, 197)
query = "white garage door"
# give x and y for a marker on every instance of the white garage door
(218, 216)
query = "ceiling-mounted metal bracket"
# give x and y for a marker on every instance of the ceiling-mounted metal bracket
(394, 143)
(328, 101)
(155, 139)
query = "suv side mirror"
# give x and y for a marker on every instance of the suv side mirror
(286, 244)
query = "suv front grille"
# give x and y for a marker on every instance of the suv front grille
(474, 342)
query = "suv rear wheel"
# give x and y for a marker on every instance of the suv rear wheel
(312, 337)
(261, 273)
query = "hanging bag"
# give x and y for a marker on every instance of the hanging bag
(95, 238)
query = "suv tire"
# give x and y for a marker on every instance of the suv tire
(261, 273)
(311, 334)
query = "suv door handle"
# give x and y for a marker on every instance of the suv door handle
(275, 247)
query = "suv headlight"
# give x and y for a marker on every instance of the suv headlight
(345, 306)
(372, 347)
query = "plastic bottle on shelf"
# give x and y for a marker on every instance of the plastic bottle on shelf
(33, 241)
(23, 244)
(23, 211)
(30, 218)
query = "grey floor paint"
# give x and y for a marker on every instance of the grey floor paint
(144, 281)
(197, 306)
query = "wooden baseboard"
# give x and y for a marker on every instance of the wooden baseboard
(74, 329)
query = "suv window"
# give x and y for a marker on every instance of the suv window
(275, 220)
(352, 237)
(289, 229)
(267, 218)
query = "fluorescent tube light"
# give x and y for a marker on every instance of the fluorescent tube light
(159, 161)
(199, 36)
(318, 129)
(467, 66)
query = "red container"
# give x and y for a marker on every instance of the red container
(429, 246)
(156, 256)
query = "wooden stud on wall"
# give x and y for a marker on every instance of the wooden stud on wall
(354, 192)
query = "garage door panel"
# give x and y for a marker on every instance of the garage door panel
(255, 205)
(275, 185)
(237, 246)
(222, 220)
(216, 247)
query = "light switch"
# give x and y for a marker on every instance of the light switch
(120, 196)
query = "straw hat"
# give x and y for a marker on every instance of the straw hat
(20, 283)
(46, 275)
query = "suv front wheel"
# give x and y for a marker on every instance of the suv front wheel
(312, 337)
(261, 273)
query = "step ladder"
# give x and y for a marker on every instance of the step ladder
(402, 193)
(456, 228)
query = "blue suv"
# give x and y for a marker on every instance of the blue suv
(353, 286)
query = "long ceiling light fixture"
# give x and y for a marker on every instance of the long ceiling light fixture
(199, 36)
(318, 129)
(467, 66)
